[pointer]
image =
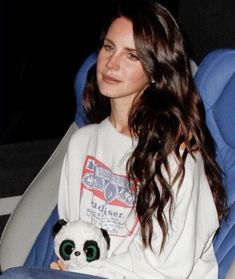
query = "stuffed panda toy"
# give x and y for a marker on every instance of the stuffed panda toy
(78, 243)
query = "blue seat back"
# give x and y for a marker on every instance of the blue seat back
(215, 80)
(79, 83)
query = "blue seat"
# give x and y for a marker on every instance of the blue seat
(215, 80)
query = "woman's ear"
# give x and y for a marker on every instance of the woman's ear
(58, 226)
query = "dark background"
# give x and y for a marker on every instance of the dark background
(45, 42)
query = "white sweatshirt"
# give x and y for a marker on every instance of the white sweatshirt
(94, 188)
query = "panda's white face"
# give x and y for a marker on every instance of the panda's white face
(78, 243)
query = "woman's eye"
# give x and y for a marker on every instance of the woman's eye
(132, 57)
(108, 47)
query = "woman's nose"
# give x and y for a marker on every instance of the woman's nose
(113, 62)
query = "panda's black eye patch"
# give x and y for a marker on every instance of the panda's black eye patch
(91, 250)
(66, 248)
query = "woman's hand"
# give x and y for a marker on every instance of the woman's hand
(57, 265)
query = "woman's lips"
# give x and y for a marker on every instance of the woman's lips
(109, 79)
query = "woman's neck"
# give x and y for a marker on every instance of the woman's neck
(119, 115)
(120, 123)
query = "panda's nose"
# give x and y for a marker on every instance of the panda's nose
(77, 253)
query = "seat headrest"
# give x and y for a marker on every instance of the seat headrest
(215, 80)
(79, 84)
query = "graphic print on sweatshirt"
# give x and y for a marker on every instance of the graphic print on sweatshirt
(107, 199)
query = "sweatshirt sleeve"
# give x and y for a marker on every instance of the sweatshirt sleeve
(188, 251)
(63, 198)
(70, 178)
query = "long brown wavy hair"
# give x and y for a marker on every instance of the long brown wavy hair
(172, 111)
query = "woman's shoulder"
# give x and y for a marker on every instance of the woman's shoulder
(193, 163)
(81, 138)
(87, 132)
(84, 131)
(195, 160)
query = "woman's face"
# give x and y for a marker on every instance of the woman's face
(120, 74)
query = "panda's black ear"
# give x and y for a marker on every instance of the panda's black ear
(106, 236)
(58, 226)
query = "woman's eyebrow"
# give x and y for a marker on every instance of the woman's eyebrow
(108, 40)
(130, 49)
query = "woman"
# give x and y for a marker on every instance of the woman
(145, 169)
